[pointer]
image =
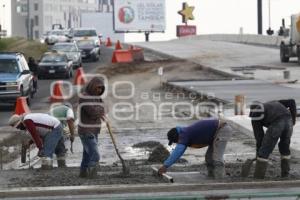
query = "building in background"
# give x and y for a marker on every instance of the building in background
(32, 18)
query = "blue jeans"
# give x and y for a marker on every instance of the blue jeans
(90, 155)
(52, 143)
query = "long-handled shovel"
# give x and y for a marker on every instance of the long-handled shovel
(246, 167)
(125, 167)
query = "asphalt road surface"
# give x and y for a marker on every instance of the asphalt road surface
(40, 100)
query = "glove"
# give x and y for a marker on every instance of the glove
(41, 153)
(162, 170)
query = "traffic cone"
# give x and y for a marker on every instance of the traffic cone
(108, 42)
(21, 106)
(57, 94)
(118, 45)
(79, 77)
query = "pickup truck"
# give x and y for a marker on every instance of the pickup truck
(16, 79)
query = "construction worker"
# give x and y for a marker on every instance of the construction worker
(91, 112)
(211, 132)
(278, 117)
(33, 66)
(46, 133)
(64, 113)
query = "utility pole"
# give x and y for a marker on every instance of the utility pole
(259, 17)
(28, 20)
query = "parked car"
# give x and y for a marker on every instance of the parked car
(55, 64)
(15, 77)
(89, 50)
(55, 36)
(71, 50)
(85, 34)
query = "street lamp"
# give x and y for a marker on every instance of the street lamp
(270, 31)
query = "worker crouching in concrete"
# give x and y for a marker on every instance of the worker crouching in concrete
(211, 132)
(91, 111)
(46, 133)
(64, 113)
(278, 117)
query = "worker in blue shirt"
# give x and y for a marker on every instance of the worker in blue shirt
(211, 132)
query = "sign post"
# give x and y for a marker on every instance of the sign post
(187, 14)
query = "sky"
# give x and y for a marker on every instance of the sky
(224, 16)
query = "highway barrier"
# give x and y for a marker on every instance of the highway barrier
(122, 56)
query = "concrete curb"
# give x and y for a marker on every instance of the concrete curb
(265, 40)
(145, 188)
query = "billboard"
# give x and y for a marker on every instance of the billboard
(139, 15)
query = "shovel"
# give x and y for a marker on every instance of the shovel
(246, 167)
(125, 167)
(23, 152)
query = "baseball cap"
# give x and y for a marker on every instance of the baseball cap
(15, 120)
(172, 136)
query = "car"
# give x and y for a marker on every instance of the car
(55, 36)
(84, 34)
(71, 50)
(16, 79)
(89, 50)
(53, 64)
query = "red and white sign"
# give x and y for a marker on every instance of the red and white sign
(185, 30)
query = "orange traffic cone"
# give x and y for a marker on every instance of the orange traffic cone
(57, 94)
(21, 106)
(118, 45)
(108, 42)
(79, 77)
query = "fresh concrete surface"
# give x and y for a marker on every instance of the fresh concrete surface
(253, 90)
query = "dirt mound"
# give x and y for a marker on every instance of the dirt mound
(147, 144)
(159, 154)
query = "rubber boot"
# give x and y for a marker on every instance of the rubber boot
(83, 173)
(61, 163)
(210, 172)
(218, 170)
(260, 168)
(92, 172)
(285, 166)
(47, 163)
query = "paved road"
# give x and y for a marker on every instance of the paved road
(40, 100)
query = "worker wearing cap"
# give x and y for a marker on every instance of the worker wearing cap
(46, 133)
(211, 132)
(278, 117)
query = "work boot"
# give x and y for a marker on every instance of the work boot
(83, 173)
(92, 172)
(285, 166)
(260, 168)
(61, 163)
(47, 163)
(218, 170)
(210, 172)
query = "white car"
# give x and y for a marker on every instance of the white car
(85, 34)
(55, 36)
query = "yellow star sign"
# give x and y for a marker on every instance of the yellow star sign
(187, 13)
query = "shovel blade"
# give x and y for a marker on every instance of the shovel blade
(246, 167)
